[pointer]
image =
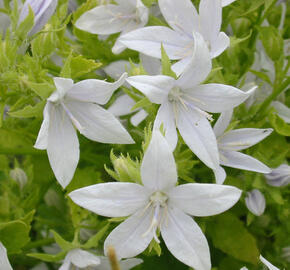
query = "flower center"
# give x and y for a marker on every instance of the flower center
(158, 201)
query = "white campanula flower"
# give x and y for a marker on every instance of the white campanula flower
(43, 10)
(255, 201)
(125, 16)
(186, 101)
(178, 41)
(4, 262)
(231, 142)
(124, 103)
(280, 176)
(77, 106)
(156, 205)
(79, 259)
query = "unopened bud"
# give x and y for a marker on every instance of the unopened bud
(19, 176)
(255, 202)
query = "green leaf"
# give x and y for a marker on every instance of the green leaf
(279, 124)
(65, 245)
(14, 235)
(44, 90)
(272, 41)
(48, 257)
(166, 64)
(81, 66)
(144, 102)
(235, 41)
(29, 111)
(263, 76)
(229, 235)
(25, 26)
(94, 240)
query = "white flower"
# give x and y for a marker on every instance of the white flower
(279, 176)
(4, 262)
(124, 264)
(178, 42)
(231, 142)
(184, 103)
(158, 205)
(108, 19)
(79, 258)
(282, 110)
(124, 103)
(74, 106)
(43, 10)
(255, 202)
(268, 264)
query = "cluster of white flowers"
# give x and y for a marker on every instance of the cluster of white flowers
(159, 206)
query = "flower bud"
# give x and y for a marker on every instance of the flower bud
(279, 176)
(255, 202)
(43, 10)
(19, 176)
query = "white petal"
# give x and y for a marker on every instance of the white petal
(282, 110)
(138, 117)
(98, 124)
(156, 88)
(279, 176)
(181, 15)
(5, 264)
(97, 91)
(180, 65)
(124, 264)
(42, 138)
(197, 133)
(148, 40)
(222, 123)
(220, 175)
(122, 106)
(204, 199)
(227, 2)
(165, 117)
(242, 161)
(63, 146)
(185, 240)
(268, 264)
(158, 169)
(210, 13)
(218, 45)
(217, 98)
(256, 202)
(104, 20)
(152, 65)
(199, 66)
(62, 85)
(244, 268)
(118, 47)
(66, 265)
(117, 68)
(81, 258)
(130, 238)
(111, 199)
(239, 139)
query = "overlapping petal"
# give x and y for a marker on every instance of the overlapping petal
(219, 45)
(185, 240)
(197, 133)
(131, 237)
(98, 124)
(158, 169)
(239, 139)
(242, 161)
(220, 175)
(62, 145)
(81, 258)
(111, 199)
(204, 199)
(92, 90)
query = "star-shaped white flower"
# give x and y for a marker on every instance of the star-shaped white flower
(77, 106)
(231, 142)
(108, 19)
(255, 202)
(186, 101)
(80, 259)
(158, 205)
(280, 176)
(4, 262)
(178, 41)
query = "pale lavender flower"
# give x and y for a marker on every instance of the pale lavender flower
(279, 176)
